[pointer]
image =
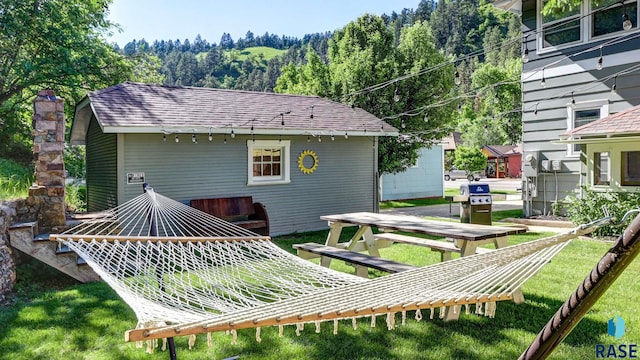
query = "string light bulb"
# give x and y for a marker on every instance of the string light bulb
(210, 136)
(626, 23)
(573, 101)
(225, 138)
(543, 82)
(346, 135)
(333, 137)
(614, 87)
(525, 53)
(319, 138)
(311, 116)
(194, 139)
(600, 60)
(308, 138)
(456, 78)
(233, 134)
(396, 96)
(177, 139)
(535, 111)
(164, 137)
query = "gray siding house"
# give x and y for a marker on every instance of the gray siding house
(583, 65)
(301, 156)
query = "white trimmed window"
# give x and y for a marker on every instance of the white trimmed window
(581, 114)
(582, 21)
(268, 162)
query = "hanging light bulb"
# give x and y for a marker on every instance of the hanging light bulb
(403, 124)
(225, 138)
(177, 139)
(456, 78)
(164, 137)
(573, 101)
(626, 23)
(194, 139)
(396, 96)
(210, 137)
(308, 138)
(346, 135)
(282, 119)
(543, 82)
(525, 53)
(319, 138)
(600, 60)
(311, 116)
(535, 111)
(614, 87)
(333, 137)
(233, 134)
(525, 56)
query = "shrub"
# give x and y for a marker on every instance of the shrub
(592, 204)
(76, 198)
(15, 179)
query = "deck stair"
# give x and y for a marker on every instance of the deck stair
(26, 238)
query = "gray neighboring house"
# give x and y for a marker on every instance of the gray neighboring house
(583, 65)
(193, 143)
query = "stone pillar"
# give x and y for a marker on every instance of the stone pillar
(48, 147)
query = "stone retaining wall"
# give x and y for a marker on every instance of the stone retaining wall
(7, 265)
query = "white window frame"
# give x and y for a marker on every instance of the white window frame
(284, 178)
(585, 28)
(594, 173)
(602, 105)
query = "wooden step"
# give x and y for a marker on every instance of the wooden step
(24, 237)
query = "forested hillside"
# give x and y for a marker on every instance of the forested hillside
(481, 42)
(450, 64)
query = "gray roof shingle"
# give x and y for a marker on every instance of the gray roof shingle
(136, 107)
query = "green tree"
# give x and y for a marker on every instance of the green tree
(311, 78)
(146, 69)
(56, 44)
(493, 117)
(470, 159)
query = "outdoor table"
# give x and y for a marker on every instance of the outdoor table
(466, 236)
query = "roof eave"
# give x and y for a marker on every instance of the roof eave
(80, 123)
(604, 138)
(514, 6)
(239, 131)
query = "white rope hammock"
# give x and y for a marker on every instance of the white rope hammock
(185, 272)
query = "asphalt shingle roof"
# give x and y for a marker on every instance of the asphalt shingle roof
(129, 106)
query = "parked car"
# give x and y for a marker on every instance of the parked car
(455, 174)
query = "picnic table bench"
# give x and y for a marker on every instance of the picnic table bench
(360, 261)
(445, 248)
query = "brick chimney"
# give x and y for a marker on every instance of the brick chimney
(48, 191)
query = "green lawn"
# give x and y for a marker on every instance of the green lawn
(51, 317)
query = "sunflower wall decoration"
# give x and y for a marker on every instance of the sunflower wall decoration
(301, 159)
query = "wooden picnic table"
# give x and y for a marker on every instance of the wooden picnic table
(466, 236)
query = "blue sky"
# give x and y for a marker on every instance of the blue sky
(184, 19)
